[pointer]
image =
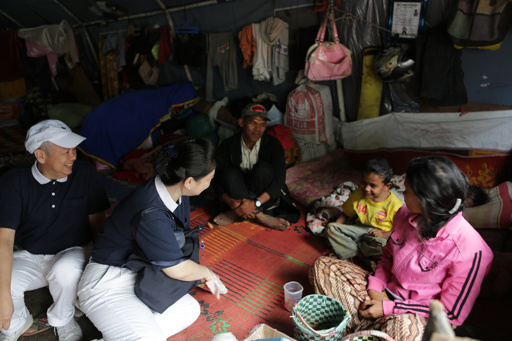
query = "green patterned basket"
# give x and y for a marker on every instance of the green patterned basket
(319, 317)
(368, 335)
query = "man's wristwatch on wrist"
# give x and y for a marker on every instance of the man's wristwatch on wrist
(257, 203)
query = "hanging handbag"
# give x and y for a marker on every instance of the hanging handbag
(328, 60)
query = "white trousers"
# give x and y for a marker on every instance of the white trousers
(107, 297)
(60, 272)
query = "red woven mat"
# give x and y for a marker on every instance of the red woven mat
(254, 263)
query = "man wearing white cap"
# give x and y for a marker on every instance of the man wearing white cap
(52, 209)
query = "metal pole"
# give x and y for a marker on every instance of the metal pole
(341, 100)
(167, 14)
(153, 13)
(12, 19)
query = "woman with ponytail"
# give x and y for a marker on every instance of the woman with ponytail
(142, 266)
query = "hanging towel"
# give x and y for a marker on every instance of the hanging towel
(11, 67)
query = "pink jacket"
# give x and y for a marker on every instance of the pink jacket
(449, 267)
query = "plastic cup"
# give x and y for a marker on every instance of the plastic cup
(292, 294)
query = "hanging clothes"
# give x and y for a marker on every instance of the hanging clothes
(60, 39)
(438, 74)
(275, 32)
(165, 49)
(108, 69)
(222, 54)
(247, 45)
(12, 75)
(35, 50)
(11, 66)
(261, 70)
(271, 61)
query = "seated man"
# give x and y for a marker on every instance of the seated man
(251, 173)
(51, 209)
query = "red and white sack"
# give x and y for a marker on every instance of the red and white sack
(309, 117)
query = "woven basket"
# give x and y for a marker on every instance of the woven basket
(319, 317)
(368, 335)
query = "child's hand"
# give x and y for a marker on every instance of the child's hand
(371, 309)
(341, 219)
(379, 233)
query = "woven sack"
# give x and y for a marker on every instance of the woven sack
(319, 317)
(368, 335)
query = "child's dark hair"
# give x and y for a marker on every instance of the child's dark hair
(440, 187)
(478, 195)
(379, 166)
(194, 157)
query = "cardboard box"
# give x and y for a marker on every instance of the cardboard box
(262, 332)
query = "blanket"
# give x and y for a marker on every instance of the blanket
(124, 123)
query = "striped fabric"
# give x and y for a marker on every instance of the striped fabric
(254, 263)
(347, 283)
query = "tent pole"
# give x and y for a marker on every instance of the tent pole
(167, 14)
(341, 100)
(12, 19)
(151, 14)
(83, 27)
(292, 7)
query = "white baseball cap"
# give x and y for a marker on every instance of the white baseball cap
(54, 131)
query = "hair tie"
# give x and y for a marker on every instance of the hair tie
(170, 150)
(456, 206)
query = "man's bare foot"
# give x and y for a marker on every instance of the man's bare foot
(225, 218)
(272, 222)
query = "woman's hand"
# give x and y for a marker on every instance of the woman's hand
(215, 285)
(376, 295)
(371, 309)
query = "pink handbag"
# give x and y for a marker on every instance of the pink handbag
(328, 60)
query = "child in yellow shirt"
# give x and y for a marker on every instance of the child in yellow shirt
(367, 217)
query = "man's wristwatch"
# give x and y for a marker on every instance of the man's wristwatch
(257, 203)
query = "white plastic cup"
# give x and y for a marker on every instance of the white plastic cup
(292, 294)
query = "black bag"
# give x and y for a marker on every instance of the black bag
(154, 287)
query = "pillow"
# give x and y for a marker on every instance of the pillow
(497, 213)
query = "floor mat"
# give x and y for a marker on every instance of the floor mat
(254, 263)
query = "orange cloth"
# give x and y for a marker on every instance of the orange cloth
(247, 45)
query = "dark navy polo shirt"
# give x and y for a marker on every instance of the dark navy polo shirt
(54, 216)
(143, 220)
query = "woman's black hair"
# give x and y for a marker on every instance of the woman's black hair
(440, 187)
(379, 166)
(194, 157)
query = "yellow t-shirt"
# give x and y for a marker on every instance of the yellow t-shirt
(375, 214)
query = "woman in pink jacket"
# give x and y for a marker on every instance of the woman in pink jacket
(433, 253)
